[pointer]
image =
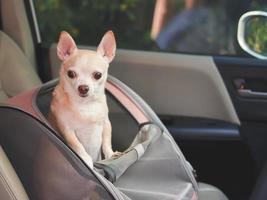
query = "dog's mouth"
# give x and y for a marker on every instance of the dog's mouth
(83, 95)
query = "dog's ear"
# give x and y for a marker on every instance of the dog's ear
(66, 46)
(107, 46)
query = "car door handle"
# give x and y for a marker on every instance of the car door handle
(252, 94)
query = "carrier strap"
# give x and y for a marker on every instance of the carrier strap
(113, 168)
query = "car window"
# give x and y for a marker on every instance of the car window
(184, 26)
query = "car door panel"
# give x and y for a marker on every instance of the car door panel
(248, 69)
(252, 111)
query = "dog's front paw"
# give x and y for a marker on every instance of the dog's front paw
(112, 154)
(117, 154)
(108, 154)
(89, 163)
(88, 160)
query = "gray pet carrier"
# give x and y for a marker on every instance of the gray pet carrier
(152, 166)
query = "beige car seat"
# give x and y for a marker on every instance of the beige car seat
(10, 185)
(17, 57)
(16, 72)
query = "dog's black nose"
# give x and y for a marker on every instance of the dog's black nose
(83, 89)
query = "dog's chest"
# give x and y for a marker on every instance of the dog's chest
(87, 123)
(88, 126)
(90, 135)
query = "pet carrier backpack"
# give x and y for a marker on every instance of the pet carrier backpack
(152, 167)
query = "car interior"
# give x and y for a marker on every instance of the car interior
(220, 133)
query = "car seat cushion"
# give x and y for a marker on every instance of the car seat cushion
(16, 73)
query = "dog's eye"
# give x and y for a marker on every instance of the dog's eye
(71, 74)
(97, 75)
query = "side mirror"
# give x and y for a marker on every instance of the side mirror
(252, 33)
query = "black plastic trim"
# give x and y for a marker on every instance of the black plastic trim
(206, 134)
(204, 129)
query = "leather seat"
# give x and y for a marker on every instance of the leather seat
(209, 192)
(10, 185)
(16, 72)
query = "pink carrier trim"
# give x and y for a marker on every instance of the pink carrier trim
(127, 103)
(23, 101)
(194, 197)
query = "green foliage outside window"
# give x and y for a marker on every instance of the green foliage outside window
(256, 31)
(256, 35)
(131, 21)
(88, 20)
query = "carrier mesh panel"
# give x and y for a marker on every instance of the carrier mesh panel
(124, 127)
(46, 167)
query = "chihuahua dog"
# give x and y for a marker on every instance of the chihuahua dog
(78, 109)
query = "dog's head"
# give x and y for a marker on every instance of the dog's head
(83, 72)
